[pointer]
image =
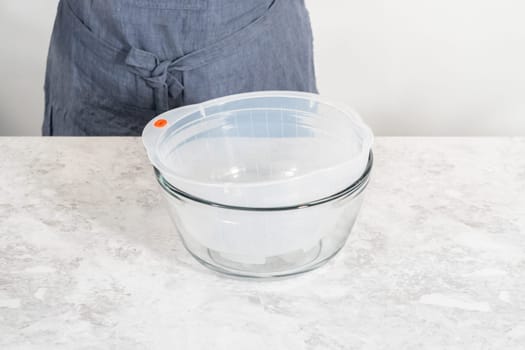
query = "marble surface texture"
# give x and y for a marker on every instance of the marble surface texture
(90, 260)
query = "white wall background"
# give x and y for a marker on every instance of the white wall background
(25, 29)
(411, 67)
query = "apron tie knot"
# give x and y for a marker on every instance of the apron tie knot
(157, 75)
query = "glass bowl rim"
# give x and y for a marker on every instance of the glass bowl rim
(354, 189)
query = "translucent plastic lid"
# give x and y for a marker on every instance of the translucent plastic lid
(261, 149)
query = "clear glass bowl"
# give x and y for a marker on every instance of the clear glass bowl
(265, 242)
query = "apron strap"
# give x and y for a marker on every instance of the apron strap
(165, 77)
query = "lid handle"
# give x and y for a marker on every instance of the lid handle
(160, 124)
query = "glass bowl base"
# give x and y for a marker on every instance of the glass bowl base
(284, 265)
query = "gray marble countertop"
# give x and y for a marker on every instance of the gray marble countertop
(90, 260)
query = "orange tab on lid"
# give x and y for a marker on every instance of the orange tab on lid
(160, 123)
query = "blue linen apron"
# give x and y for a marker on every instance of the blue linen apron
(114, 65)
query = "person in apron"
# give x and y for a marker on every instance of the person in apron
(114, 65)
